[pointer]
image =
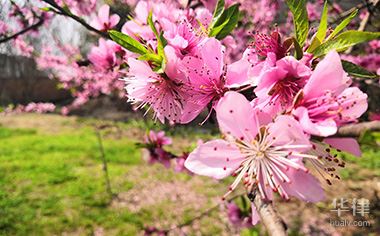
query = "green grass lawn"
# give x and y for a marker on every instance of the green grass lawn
(52, 182)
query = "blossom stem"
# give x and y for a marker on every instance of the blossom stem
(268, 215)
(27, 29)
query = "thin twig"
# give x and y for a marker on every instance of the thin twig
(62, 11)
(364, 21)
(29, 28)
(105, 166)
(355, 130)
(201, 215)
(349, 11)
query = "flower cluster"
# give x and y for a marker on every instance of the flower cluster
(271, 138)
(39, 107)
(278, 101)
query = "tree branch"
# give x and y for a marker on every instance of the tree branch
(60, 10)
(32, 27)
(354, 130)
(268, 215)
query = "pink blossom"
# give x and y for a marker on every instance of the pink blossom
(327, 101)
(209, 77)
(264, 44)
(280, 81)
(165, 93)
(155, 142)
(138, 27)
(237, 217)
(83, 7)
(182, 37)
(262, 155)
(24, 48)
(104, 55)
(104, 21)
(40, 107)
(157, 138)
(3, 27)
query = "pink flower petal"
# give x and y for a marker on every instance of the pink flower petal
(212, 56)
(139, 68)
(349, 145)
(328, 75)
(286, 130)
(255, 215)
(114, 20)
(321, 128)
(303, 186)
(355, 103)
(216, 158)
(104, 13)
(236, 116)
(237, 74)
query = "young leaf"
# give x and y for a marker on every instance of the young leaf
(151, 24)
(219, 9)
(345, 40)
(300, 19)
(159, 37)
(343, 24)
(226, 22)
(321, 33)
(127, 42)
(156, 59)
(357, 71)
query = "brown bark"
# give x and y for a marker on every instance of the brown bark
(354, 130)
(268, 215)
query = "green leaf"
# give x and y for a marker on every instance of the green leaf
(343, 24)
(300, 19)
(226, 23)
(219, 9)
(47, 9)
(322, 29)
(127, 42)
(298, 49)
(357, 71)
(345, 40)
(157, 59)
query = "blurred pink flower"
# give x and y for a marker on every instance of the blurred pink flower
(104, 21)
(180, 164)
(3, 27)
(104, 55)
(154, 142)
(157, 138)
(236, 216)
